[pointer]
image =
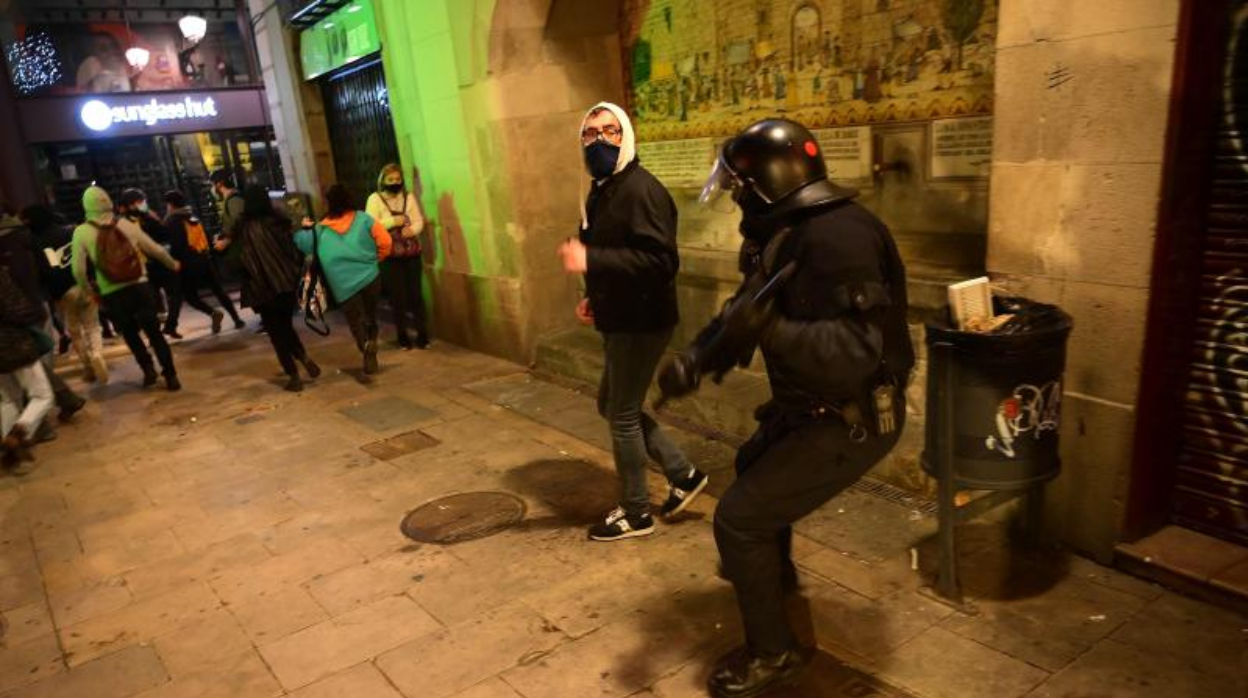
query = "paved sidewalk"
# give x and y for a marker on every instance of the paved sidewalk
(236, 540)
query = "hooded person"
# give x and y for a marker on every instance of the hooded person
(129, 302)
(78, 310)
(626, 250)
(397, 210)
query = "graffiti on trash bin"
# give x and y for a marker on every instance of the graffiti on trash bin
(1029, 410)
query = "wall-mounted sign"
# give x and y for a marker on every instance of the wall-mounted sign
(342, 38)
(53, 119)
(100, 115)
(847, 152)
(683, 163)
(961, 148)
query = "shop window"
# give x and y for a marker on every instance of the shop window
(99, 48)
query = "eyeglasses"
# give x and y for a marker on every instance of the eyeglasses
(610, 133)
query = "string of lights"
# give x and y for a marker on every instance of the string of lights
(34, 63)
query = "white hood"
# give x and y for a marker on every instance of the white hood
(628, 145)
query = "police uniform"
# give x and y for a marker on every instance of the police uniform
(825, 301)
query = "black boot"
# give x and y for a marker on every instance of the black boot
(150, 376)
(172, 383)
(294, 384)
(314, 370)
(740, 674)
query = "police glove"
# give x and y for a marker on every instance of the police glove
(678, 377)
(746, 316)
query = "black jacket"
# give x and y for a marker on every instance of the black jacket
(842, 316)
(53, 247)
(632, 259)
(175, 232)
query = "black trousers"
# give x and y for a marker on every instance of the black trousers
(401, 276)
(361, 312)
(276, 316)
(785, 471)
(133, 310)
(194, 276)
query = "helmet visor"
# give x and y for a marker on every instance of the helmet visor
(722, 188)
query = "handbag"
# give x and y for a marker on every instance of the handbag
(315, 299)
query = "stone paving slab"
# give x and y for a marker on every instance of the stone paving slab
(236, 540)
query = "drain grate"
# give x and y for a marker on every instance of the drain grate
(896, 495)
(462, 517)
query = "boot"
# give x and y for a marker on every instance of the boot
(16, 447)
(70, 405)
(314, 371)
(370, 357)
(149, 376)
(294, 384)
(172, 384)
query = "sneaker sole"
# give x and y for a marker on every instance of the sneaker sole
(684, 504)
(622, 536)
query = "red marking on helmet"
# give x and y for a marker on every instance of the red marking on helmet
(812, 149)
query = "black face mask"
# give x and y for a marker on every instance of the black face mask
(393, 188)
(601, 158)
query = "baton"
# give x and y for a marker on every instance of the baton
(769, 289)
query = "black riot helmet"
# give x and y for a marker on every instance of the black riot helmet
(774, 167)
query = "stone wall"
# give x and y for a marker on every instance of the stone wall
(1082, 96)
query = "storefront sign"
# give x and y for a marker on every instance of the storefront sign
(961, 147)
(342, 38)
(100, 114)
(59, 119)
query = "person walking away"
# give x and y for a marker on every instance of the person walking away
(25, 393)
(349, 245)
(80, 314)
(18, 254)
(824, 298)
(114, 247)
(188, 243)
(399, 213)
(166, 288)
(272, 268)
(627, 252)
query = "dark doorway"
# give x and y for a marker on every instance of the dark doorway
(357, 108)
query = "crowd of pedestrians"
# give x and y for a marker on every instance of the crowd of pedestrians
(126, 268)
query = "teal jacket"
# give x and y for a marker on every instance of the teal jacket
(349, 248)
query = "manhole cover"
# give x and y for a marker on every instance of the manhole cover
(461, 517)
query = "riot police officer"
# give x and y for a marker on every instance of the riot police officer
(824, 298)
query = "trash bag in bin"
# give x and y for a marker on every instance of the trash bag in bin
(1007, 397)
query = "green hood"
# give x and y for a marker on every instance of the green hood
(97, 204)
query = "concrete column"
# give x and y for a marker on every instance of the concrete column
(1082, 91)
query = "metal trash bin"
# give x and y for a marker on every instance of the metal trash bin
(1006, 399)
(994, 406)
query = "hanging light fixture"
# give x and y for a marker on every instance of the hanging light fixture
(137, 57)
(193, 28)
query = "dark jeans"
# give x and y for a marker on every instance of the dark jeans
(194, 276)
(630, 363)
(401, 276)
(783, 474)
(276, 316)
(361, 312)
(133, 309)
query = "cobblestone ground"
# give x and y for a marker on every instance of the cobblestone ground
(235, 540)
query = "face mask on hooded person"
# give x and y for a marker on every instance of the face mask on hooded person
(601, 137)
(392, 187)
